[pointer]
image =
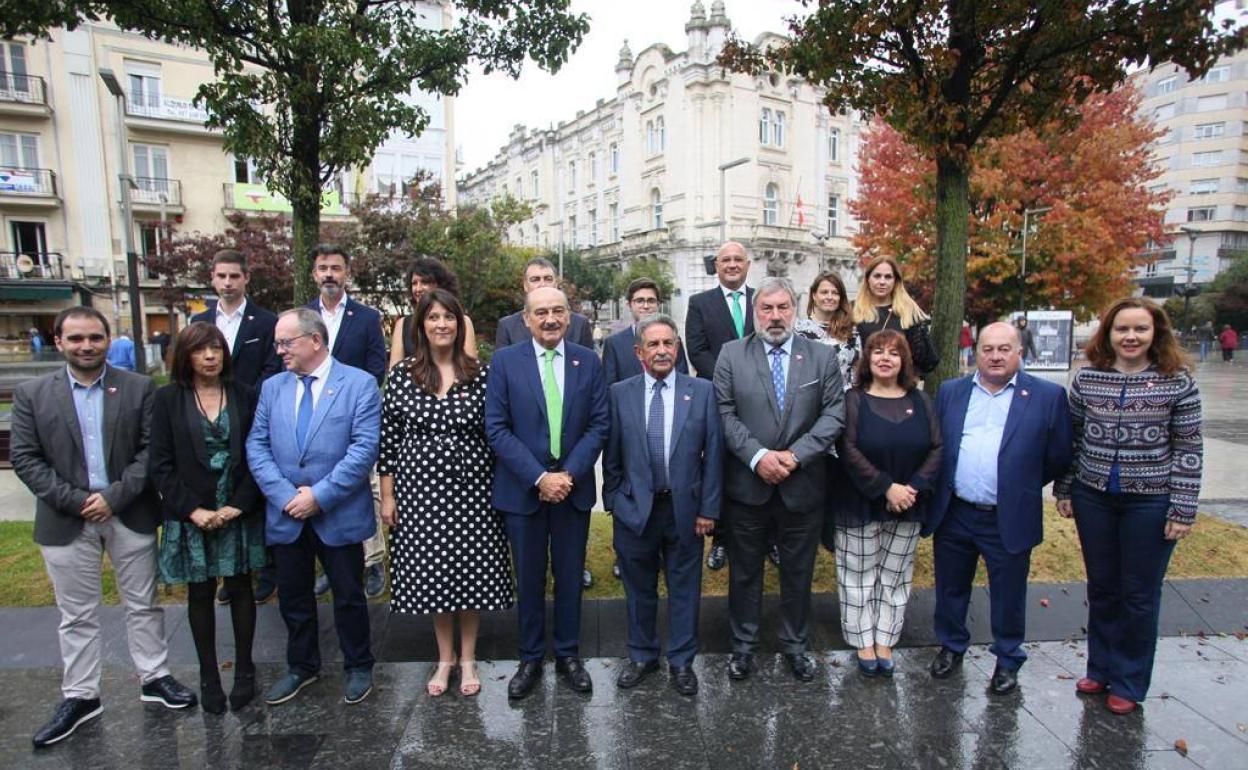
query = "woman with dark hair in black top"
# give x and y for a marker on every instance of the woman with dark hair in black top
(890, 452)
(423, 275)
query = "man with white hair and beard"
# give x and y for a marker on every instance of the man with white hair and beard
(782, 404)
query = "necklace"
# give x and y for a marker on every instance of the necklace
(214, 426)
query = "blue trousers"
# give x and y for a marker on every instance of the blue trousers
(660, 543)
(295, 565)
(966, 534)
(1126, 554)
(562, 531)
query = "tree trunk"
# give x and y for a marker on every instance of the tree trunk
(305, 196)
(305, 234)
(952, 211)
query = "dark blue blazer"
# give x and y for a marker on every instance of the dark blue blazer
(708, 327)
(512, 329)
(254, 358)
(360, 342)
(1036, 448)
(517, 428)
(695, 465)
(620, 358)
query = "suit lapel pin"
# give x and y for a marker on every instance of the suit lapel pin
(576, 362)
(251, 318)
(1023, 392)
(688, 397)
(797, 357)
(909, 412)
(112, 390)
(350, 312)
(329, 392)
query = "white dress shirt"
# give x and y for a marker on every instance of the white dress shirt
(321, 373)
(728, 300)
(229, 323)
(333, 319)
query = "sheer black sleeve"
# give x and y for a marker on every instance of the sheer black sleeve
(924, 479)
(870, 480)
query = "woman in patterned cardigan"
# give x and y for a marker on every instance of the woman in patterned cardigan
(1132, 488)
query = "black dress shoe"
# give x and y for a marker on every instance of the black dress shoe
(525, 679)
(740, 666)
(684, 680)
(573, 673)
(773, 553)
(168, 692)
(1004, 680)
(801, 665)
(68, 715)
(633, 673)
(266, 587)
(718, 556)
(945, 663)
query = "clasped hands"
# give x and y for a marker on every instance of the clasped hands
(206, 519)
(900, 497)
(776, 466)
(303, 505)
(95, 508)
(554, 487)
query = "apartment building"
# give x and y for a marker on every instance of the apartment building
(66, 138)
(1203, 156)
(684, 155)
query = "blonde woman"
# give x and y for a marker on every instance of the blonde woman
(884, 303)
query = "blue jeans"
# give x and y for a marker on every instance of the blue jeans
(1126, 554)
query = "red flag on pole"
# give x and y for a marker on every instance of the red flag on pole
(801, 215)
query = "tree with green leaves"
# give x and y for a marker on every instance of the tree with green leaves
(948, 74)
(587, 282)
(309, 88)
(646, 267)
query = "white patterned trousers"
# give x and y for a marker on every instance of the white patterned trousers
(874, 567)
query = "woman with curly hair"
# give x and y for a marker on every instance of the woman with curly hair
(425, 274)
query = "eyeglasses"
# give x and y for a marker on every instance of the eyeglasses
(281, 345)
(645, 301)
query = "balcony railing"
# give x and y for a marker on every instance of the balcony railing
(155, 191)
(161, 107)
(47, 265)
(27, 181)
(23, 89)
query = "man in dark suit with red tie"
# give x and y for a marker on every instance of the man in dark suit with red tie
(714, 317)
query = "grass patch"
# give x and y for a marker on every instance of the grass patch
(1214, 549)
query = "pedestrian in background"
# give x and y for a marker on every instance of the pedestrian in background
(1229, 341)
(425, 274)
(448, 551)
(890, 453)
(884, 303)
(213, 510)
(1133, 488)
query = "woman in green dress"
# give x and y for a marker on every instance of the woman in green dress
(214, 512)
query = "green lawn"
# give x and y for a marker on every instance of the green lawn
(1214, 549)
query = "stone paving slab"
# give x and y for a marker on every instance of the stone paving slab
(841, 720)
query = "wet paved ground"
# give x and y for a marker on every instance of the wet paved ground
(841, 720)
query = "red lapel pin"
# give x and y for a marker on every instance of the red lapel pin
(1023, 392)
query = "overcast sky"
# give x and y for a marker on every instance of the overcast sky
(488, 107)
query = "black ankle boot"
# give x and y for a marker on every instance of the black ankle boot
(212, 697)
(244, 689)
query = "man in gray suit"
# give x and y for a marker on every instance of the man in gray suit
(79, 441)
(781, 401)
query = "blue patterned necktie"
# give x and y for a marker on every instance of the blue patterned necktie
(654, 439)
(777, 376)
(303, 415)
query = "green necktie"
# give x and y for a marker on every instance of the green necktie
(554, 404)
(738, 315)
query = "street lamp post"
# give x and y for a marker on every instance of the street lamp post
(1192, 235)
(1022, 268)
(126, 181)
(723, 196)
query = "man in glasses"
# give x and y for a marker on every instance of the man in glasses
(619, 355)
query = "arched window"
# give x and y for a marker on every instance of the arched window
(656, 209)
(771, 204)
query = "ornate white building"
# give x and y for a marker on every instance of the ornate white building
(641, 174)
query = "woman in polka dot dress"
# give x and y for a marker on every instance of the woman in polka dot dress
(448, 550)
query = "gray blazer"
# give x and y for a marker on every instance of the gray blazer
(814, 414)
(46, 450)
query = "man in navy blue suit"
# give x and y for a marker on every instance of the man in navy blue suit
(248, 330)
(546, 418)
(619, 351)
(539, 272)
(1006, 435)
(662, 480)
(355, 339)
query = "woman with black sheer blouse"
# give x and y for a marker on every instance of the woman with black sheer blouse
(890, 451)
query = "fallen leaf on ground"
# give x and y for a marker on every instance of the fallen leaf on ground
(1065, 676)
(1044, 602)
(1181, 746)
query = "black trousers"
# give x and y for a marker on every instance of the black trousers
(295, 564)
(797, 536)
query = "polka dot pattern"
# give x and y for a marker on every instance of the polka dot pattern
(448, 550)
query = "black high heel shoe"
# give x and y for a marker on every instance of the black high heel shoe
(243, 692)
(212, 697)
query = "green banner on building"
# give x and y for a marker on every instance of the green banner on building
(257, 197)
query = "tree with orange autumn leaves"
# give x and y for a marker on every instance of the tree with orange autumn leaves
(1094, 179)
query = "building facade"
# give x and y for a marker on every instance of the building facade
(684, 156)
(1203, 156)
(66, 139)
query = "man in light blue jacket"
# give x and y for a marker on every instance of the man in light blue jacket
(314, 439)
